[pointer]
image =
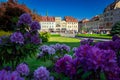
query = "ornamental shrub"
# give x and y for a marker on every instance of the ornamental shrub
(45, 36)
(89, 63)
(23, 43)
(116, 29)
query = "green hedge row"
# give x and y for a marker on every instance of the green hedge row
(103, 36)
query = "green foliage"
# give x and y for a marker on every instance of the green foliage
(6, 20)
(13, 53)
(55, 35)
(45, 36)
(86, 75)
(102, 76)
(104, 36)
(3, 33)
(115, 29)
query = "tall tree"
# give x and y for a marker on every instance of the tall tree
(10, 11)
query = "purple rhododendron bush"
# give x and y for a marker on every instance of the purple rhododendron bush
(23, 43)
(89, 61)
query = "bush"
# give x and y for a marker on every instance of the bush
(45, 36)
(116, 29)
(9, 13)
(21, 44)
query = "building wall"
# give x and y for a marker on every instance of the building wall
(72, 26)
(46, 26)
(59, 25)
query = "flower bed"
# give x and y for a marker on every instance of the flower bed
(89, 61)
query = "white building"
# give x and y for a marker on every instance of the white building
(71, 24)
(56, 24)
(47, 23)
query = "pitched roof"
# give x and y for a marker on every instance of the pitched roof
(70, 19)
(47, 19)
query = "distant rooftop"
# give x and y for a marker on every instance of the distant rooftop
(47, 19)
(70, 19)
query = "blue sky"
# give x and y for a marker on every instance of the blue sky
(77, 8)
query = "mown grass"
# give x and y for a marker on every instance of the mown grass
(4, 33)
(72, 42)
(103, 36)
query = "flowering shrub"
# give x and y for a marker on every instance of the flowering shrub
(65, 65)
(115, 37)
(23, 69)
(41, 74)
(74, 49)
(24, 42)
(86, 41)
(7, 75)
(61, 48)
(17, 37)
(53, 51)
(91, 63)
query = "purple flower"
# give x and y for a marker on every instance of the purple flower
(35, 39)
(40, 55)
(70, 69)
(66, 65)
(23, 69)
(17, 37)
(60, 65)
(74, 49)
(82, 51)
(93, 58)
(7, 75)
(50, 50)
(24, 19)
(65, 47)
(0, 40)
(15, 76)
(115, 37)
(47, 49)
(41, 74)
(57, 46)
(86, 41)
(109, 45)
(27, 35)
(61, 47)
(35, 26)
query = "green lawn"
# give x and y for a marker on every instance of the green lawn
(72, 42)
(103, 36)
(34, 63)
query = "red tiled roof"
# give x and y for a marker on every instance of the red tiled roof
(70, 19)
(47, 19)
(95, 18)
(84, 21)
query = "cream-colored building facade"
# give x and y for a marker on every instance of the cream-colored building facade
(47, 23)
(57, 24)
